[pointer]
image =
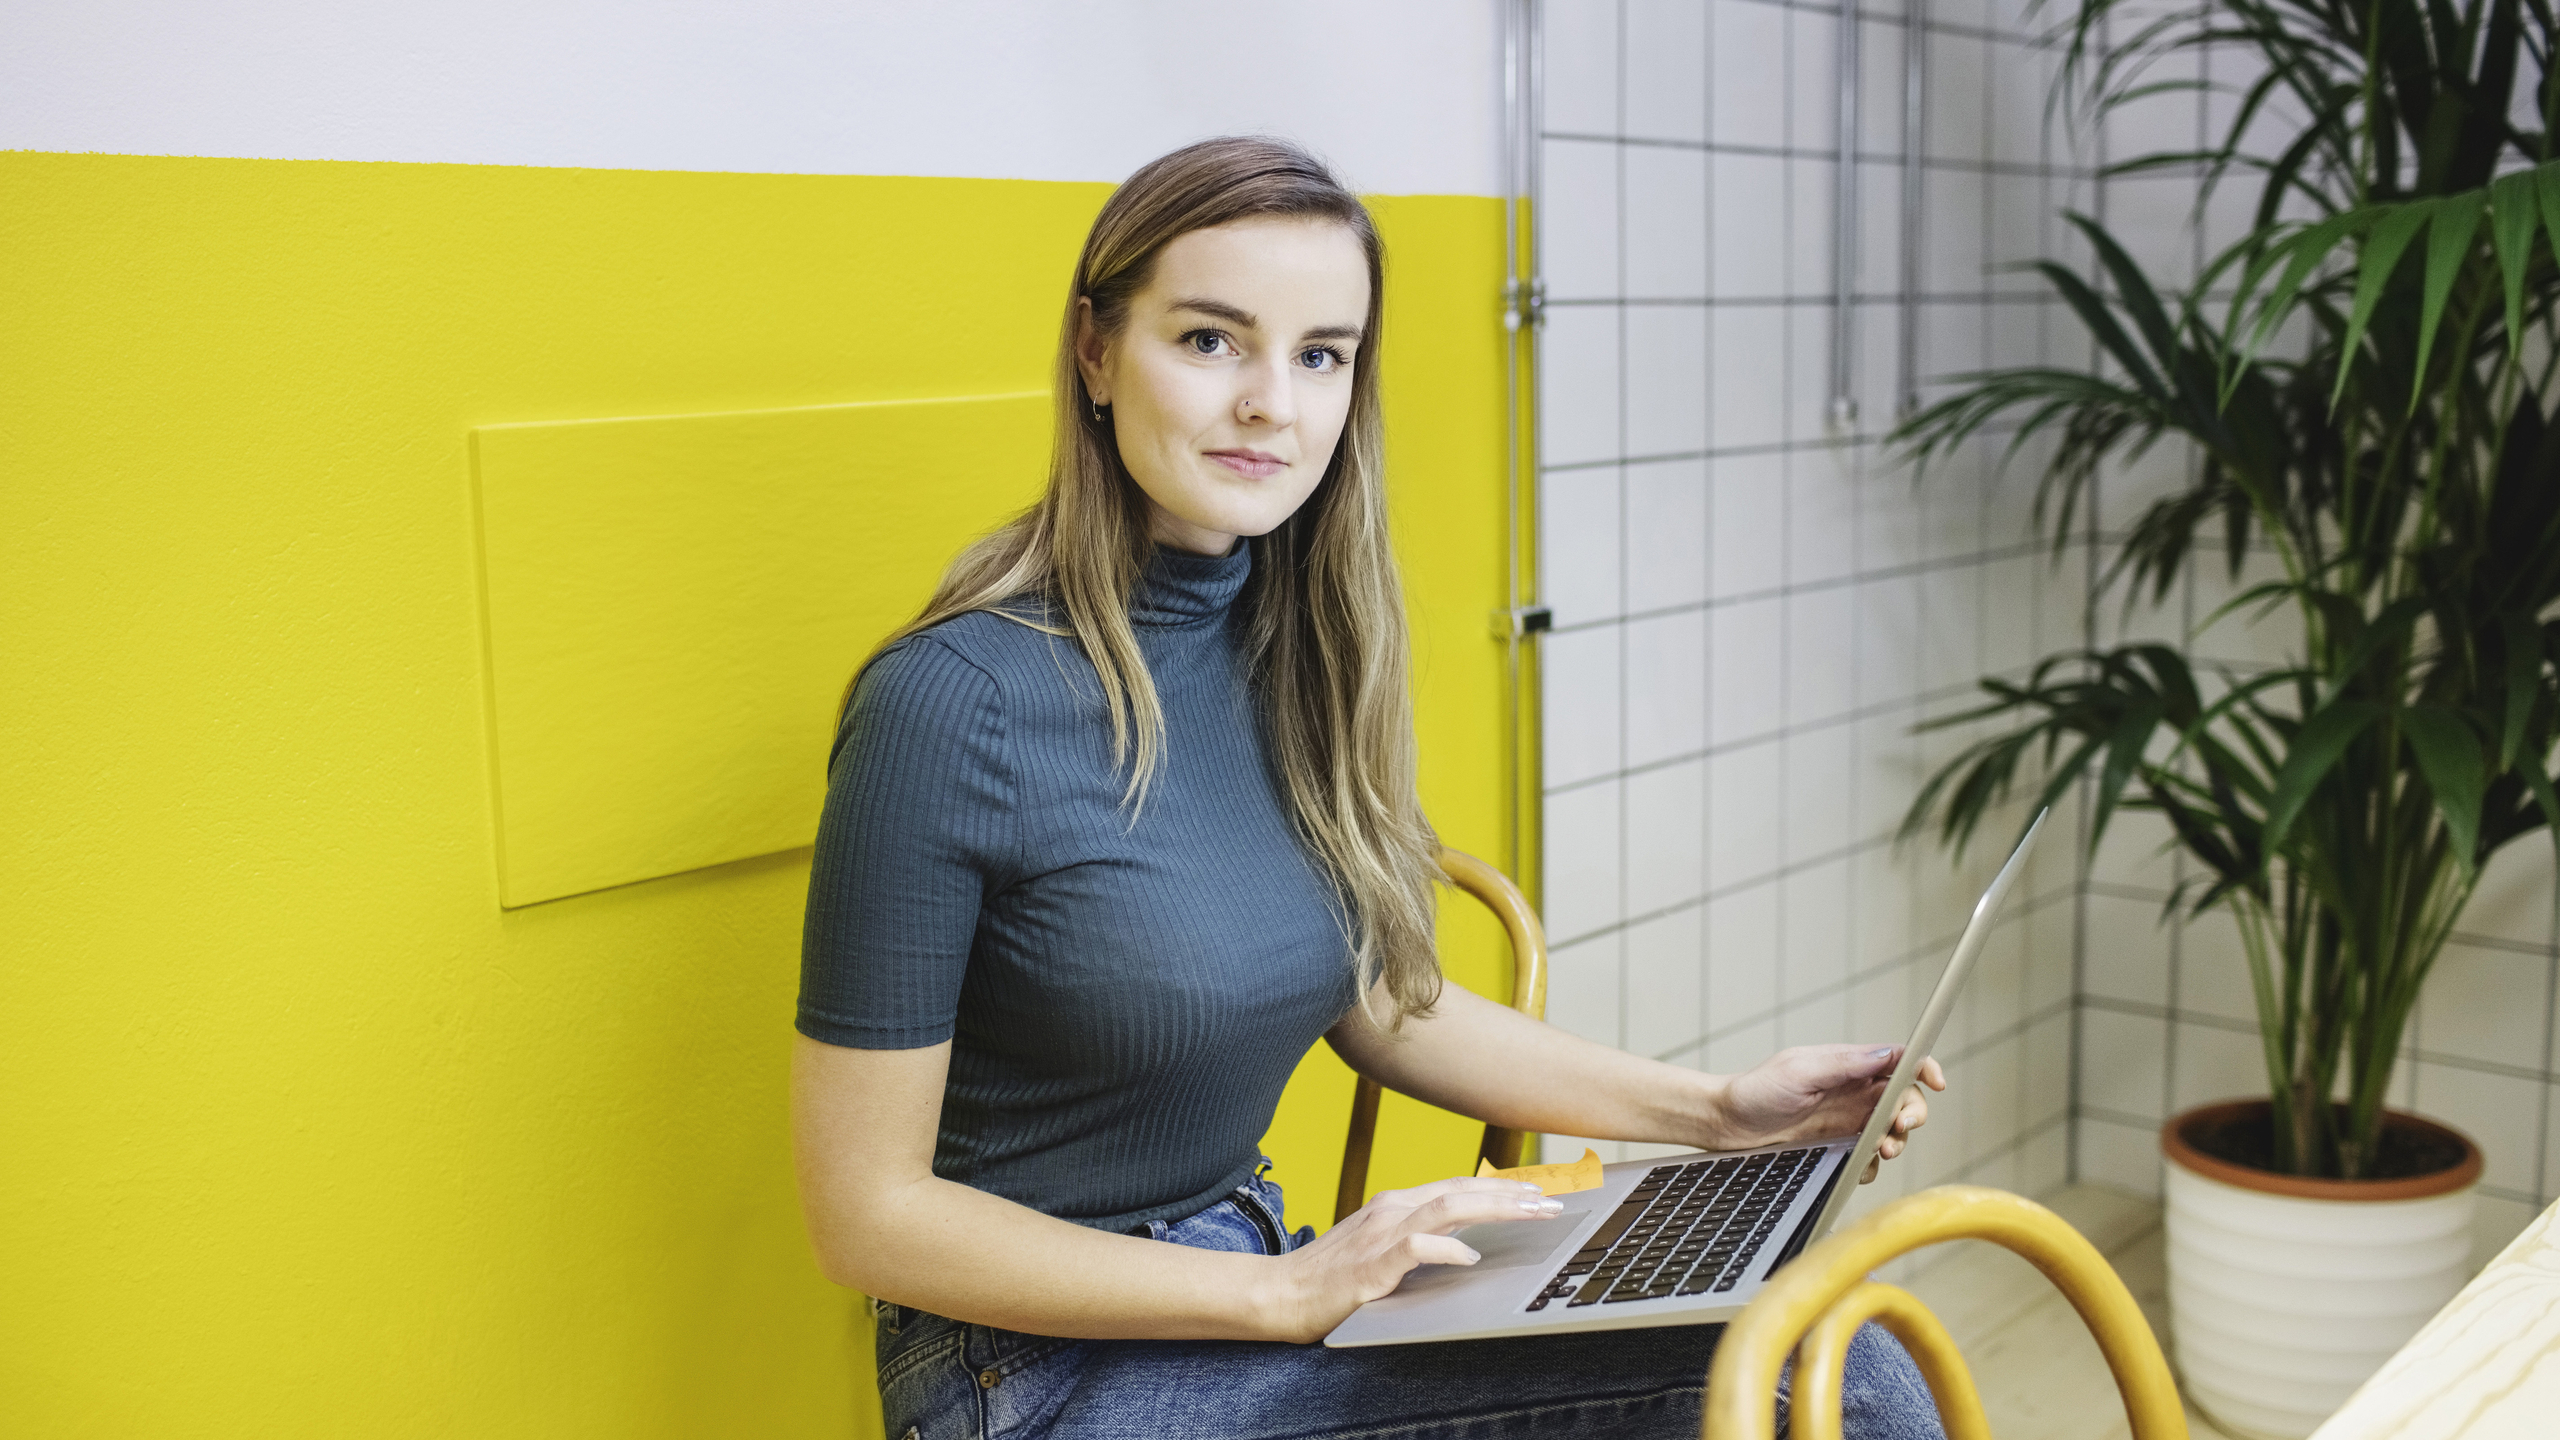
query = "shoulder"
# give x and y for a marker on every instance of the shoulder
(922, 677)
(996, 643)
(956, 673)
(999, 650)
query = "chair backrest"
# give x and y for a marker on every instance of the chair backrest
(1819, 1300)
(1528, 996)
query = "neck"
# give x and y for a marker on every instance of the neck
(1174, 533)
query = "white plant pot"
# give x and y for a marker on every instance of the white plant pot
(2285, 1294)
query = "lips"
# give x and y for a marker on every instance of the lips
(1252, 464)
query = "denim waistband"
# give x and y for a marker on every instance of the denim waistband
(1249, 1220)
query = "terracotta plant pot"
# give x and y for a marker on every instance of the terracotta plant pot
(2286, 1293)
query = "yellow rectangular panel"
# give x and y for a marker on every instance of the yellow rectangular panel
(674, 603)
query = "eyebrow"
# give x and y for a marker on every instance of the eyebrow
(1221, 310)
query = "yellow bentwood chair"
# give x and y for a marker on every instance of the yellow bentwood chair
(1528, 996)
(1816, 1303)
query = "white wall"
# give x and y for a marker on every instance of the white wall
(1750, 612)
(1403, 98)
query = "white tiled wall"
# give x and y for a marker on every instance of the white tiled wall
(1751, 611)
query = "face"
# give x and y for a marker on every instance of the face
(1231, 378)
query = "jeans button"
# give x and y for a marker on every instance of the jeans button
(987, 1379)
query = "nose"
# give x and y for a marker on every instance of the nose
(1266, 392)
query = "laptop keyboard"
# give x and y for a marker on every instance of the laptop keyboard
(1684, 1230)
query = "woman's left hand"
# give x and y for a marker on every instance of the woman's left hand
(1818, 1091)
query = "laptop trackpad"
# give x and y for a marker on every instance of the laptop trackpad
(1504, 1245)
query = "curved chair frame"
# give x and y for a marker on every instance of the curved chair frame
(1824, 1296)
(1528, 996)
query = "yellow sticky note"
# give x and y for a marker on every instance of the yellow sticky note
(1582, 1174)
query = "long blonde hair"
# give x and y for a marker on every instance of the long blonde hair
(1323, 612)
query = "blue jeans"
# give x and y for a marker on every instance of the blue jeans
(943, 1380)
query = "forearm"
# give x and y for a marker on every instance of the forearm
(969, 1255)
(863, 1125)
(1498, 1065)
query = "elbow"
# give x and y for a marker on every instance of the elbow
(840, 1260)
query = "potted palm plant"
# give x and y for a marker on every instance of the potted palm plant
(2366, 385)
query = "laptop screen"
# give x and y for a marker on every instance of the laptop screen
(1933, 1018)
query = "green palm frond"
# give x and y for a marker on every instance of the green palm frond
(2367, 384)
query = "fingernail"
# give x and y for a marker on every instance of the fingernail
(1528, 1185)
(1880, 1054)
(1473, 1257)
(1543, 1207)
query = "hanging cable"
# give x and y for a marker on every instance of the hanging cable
(1844, 228)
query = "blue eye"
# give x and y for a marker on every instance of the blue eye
(1206, 343)
(1324, 358)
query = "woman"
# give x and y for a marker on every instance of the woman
(1123, 822)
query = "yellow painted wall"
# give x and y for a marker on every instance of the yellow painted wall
(302, 1134)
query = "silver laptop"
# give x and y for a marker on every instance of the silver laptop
(1685, 1240)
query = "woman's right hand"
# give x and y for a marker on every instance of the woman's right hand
(1369, 1253)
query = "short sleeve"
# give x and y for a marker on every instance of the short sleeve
(915, 835)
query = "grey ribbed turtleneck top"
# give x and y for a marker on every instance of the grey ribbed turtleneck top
(1125, 992)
